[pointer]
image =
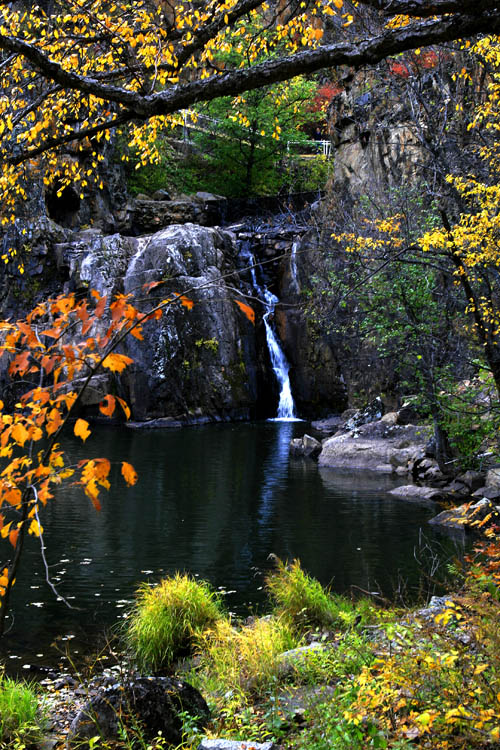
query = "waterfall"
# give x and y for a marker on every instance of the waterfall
(279, 363)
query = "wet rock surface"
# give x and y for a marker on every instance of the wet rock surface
(200, 360)
(305, 446)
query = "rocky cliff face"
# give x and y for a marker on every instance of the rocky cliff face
(376, 144)
(198, 362)
(316, 371)
(208, 362)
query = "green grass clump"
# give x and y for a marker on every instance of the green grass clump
(305, 604)
(21, 719)
(167, 619)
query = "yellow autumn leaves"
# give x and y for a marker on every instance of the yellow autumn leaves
(135, 47)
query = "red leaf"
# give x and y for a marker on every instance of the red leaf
(129, 473)
(19, 364)
(100, 307)
(107, 406)
(247, 310)
(185, 301)
(151, 285)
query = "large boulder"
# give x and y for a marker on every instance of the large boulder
(375, 446)
(155, 704)
(199, 360)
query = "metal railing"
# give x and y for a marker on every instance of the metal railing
(192, 120)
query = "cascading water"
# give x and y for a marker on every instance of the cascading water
(286, 406)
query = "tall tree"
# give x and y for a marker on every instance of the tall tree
(71, 72)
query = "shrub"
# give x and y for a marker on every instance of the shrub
(338, 661)
(471, 419)
(21, 719)
(166, 619)
(303, 602)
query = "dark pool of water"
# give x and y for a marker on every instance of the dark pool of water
(214, 501)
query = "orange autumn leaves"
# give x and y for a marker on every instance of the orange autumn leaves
(247, 310)
(58, 348)
(95, 474)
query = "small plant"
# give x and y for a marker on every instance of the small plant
(212, 345)
(167, 619)
(21, 719)
(303, 602)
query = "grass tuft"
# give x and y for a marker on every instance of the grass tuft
(21, 719)
(305, 604)
(167, 619)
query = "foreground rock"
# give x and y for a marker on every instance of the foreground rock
(472, 517)
(376, 446)
(155, 702)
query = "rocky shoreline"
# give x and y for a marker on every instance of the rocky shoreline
(368, 440)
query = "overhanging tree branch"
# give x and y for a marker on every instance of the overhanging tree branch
(367, 51)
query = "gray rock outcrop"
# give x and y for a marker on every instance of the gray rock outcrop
(315, 373)
(416, 494)
(375, 446)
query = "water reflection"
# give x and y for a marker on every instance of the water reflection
(275, 471)
(215, 501)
